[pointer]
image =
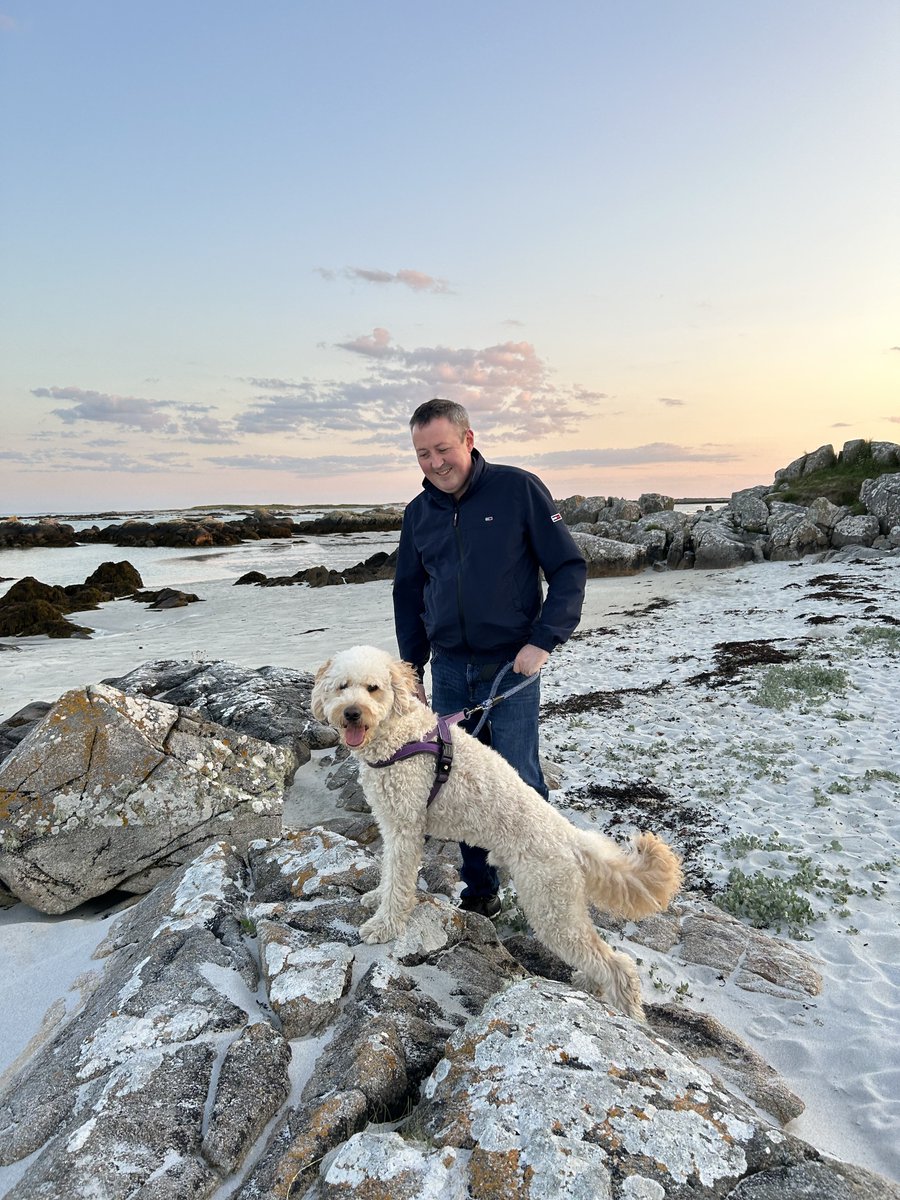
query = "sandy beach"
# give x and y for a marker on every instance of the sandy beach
(779, 771)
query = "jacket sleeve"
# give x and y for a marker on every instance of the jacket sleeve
(409, 600)
(563, 565)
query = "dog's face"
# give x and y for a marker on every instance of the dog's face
(360, 690)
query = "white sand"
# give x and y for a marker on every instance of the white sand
(800, 773)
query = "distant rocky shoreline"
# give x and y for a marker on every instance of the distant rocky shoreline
(616, 536)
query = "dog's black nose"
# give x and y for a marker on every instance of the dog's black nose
(352, 714)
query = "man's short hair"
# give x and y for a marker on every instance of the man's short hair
(433, 409)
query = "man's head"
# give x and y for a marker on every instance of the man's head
(443, 442)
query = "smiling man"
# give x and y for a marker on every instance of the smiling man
(468, 595)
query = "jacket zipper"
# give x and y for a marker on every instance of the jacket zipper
(459, 591)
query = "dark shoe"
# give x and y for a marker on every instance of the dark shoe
(487, 906)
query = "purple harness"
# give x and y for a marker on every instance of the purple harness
(439, 743)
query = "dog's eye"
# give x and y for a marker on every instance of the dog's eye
(341, 687)
(373, 687)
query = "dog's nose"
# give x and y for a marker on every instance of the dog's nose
(352, 714)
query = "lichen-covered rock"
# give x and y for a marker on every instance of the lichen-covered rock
(855, 531)
(268, 703)
(749, 509)
(716, 546)
(881, 497)
(112, 791)
(306, 979)
(605, 557)
(553, 1097)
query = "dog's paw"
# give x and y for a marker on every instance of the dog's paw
(379, 929)
(371, 899)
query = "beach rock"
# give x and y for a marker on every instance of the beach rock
(16, 534)
(541, 1090)
(373, 520)
(111, 791)
(881, 497)
(819, 460)
(716, 546)
(822, 512)
(855, 531)
(165, 598)
(267, 703)
(116, 578)
(749, 509)
(885, 454)
(653, 502)
(547, 1093)
(576, 510)
(31, 608)
(792, 534)
(16, 727)
(37, 618)
(853, 451)
(605, 557)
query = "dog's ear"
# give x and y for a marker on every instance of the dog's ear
(405, 683)
(317, 699)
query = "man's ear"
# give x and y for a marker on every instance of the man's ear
(317, 699)
(405, 683)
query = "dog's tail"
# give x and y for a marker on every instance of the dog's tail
(631, 883)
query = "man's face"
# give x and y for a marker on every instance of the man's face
(444, 457)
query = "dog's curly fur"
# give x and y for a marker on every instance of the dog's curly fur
(557, 869)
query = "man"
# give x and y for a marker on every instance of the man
(467, 595)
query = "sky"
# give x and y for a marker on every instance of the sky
(650, 246)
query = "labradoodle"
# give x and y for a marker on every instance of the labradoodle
(557, 869)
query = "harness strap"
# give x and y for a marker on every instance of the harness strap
(439, 742)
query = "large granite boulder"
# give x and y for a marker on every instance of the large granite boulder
(269, 703)
(605, 557)
(749, 509)
(792, 534)
(114, 791)
(855, 531)
(716, 545)
(881, 497)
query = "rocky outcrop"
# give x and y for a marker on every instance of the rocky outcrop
(881, 497)
(270, 704)
(241, 1038)
(114, 791)
(756, 524)
(30, 607)
(379, 566)
(19, 535)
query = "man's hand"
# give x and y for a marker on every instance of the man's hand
(420, 694)
(530, 659)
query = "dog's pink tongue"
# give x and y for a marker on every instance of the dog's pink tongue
(354, 735)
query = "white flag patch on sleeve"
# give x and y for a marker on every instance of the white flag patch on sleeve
(556, 517)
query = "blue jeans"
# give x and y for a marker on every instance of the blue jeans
(458, 684)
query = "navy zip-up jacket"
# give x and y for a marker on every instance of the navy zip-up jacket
(468, 571)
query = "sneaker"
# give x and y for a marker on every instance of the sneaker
(487, 906)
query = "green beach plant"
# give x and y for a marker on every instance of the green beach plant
(810, 683)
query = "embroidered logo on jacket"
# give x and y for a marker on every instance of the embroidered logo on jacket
(556, 517)
(489, 518)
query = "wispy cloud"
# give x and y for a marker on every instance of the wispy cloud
(417, 281)
(894, 420)
(670, 402)
(192, 422)
(322, 466)
(625, 456)
(7, 23)
(507, 388)
(69, 459)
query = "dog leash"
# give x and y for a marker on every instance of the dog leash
(439, 741)
(493, 699)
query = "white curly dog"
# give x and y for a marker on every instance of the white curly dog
(557, 869)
